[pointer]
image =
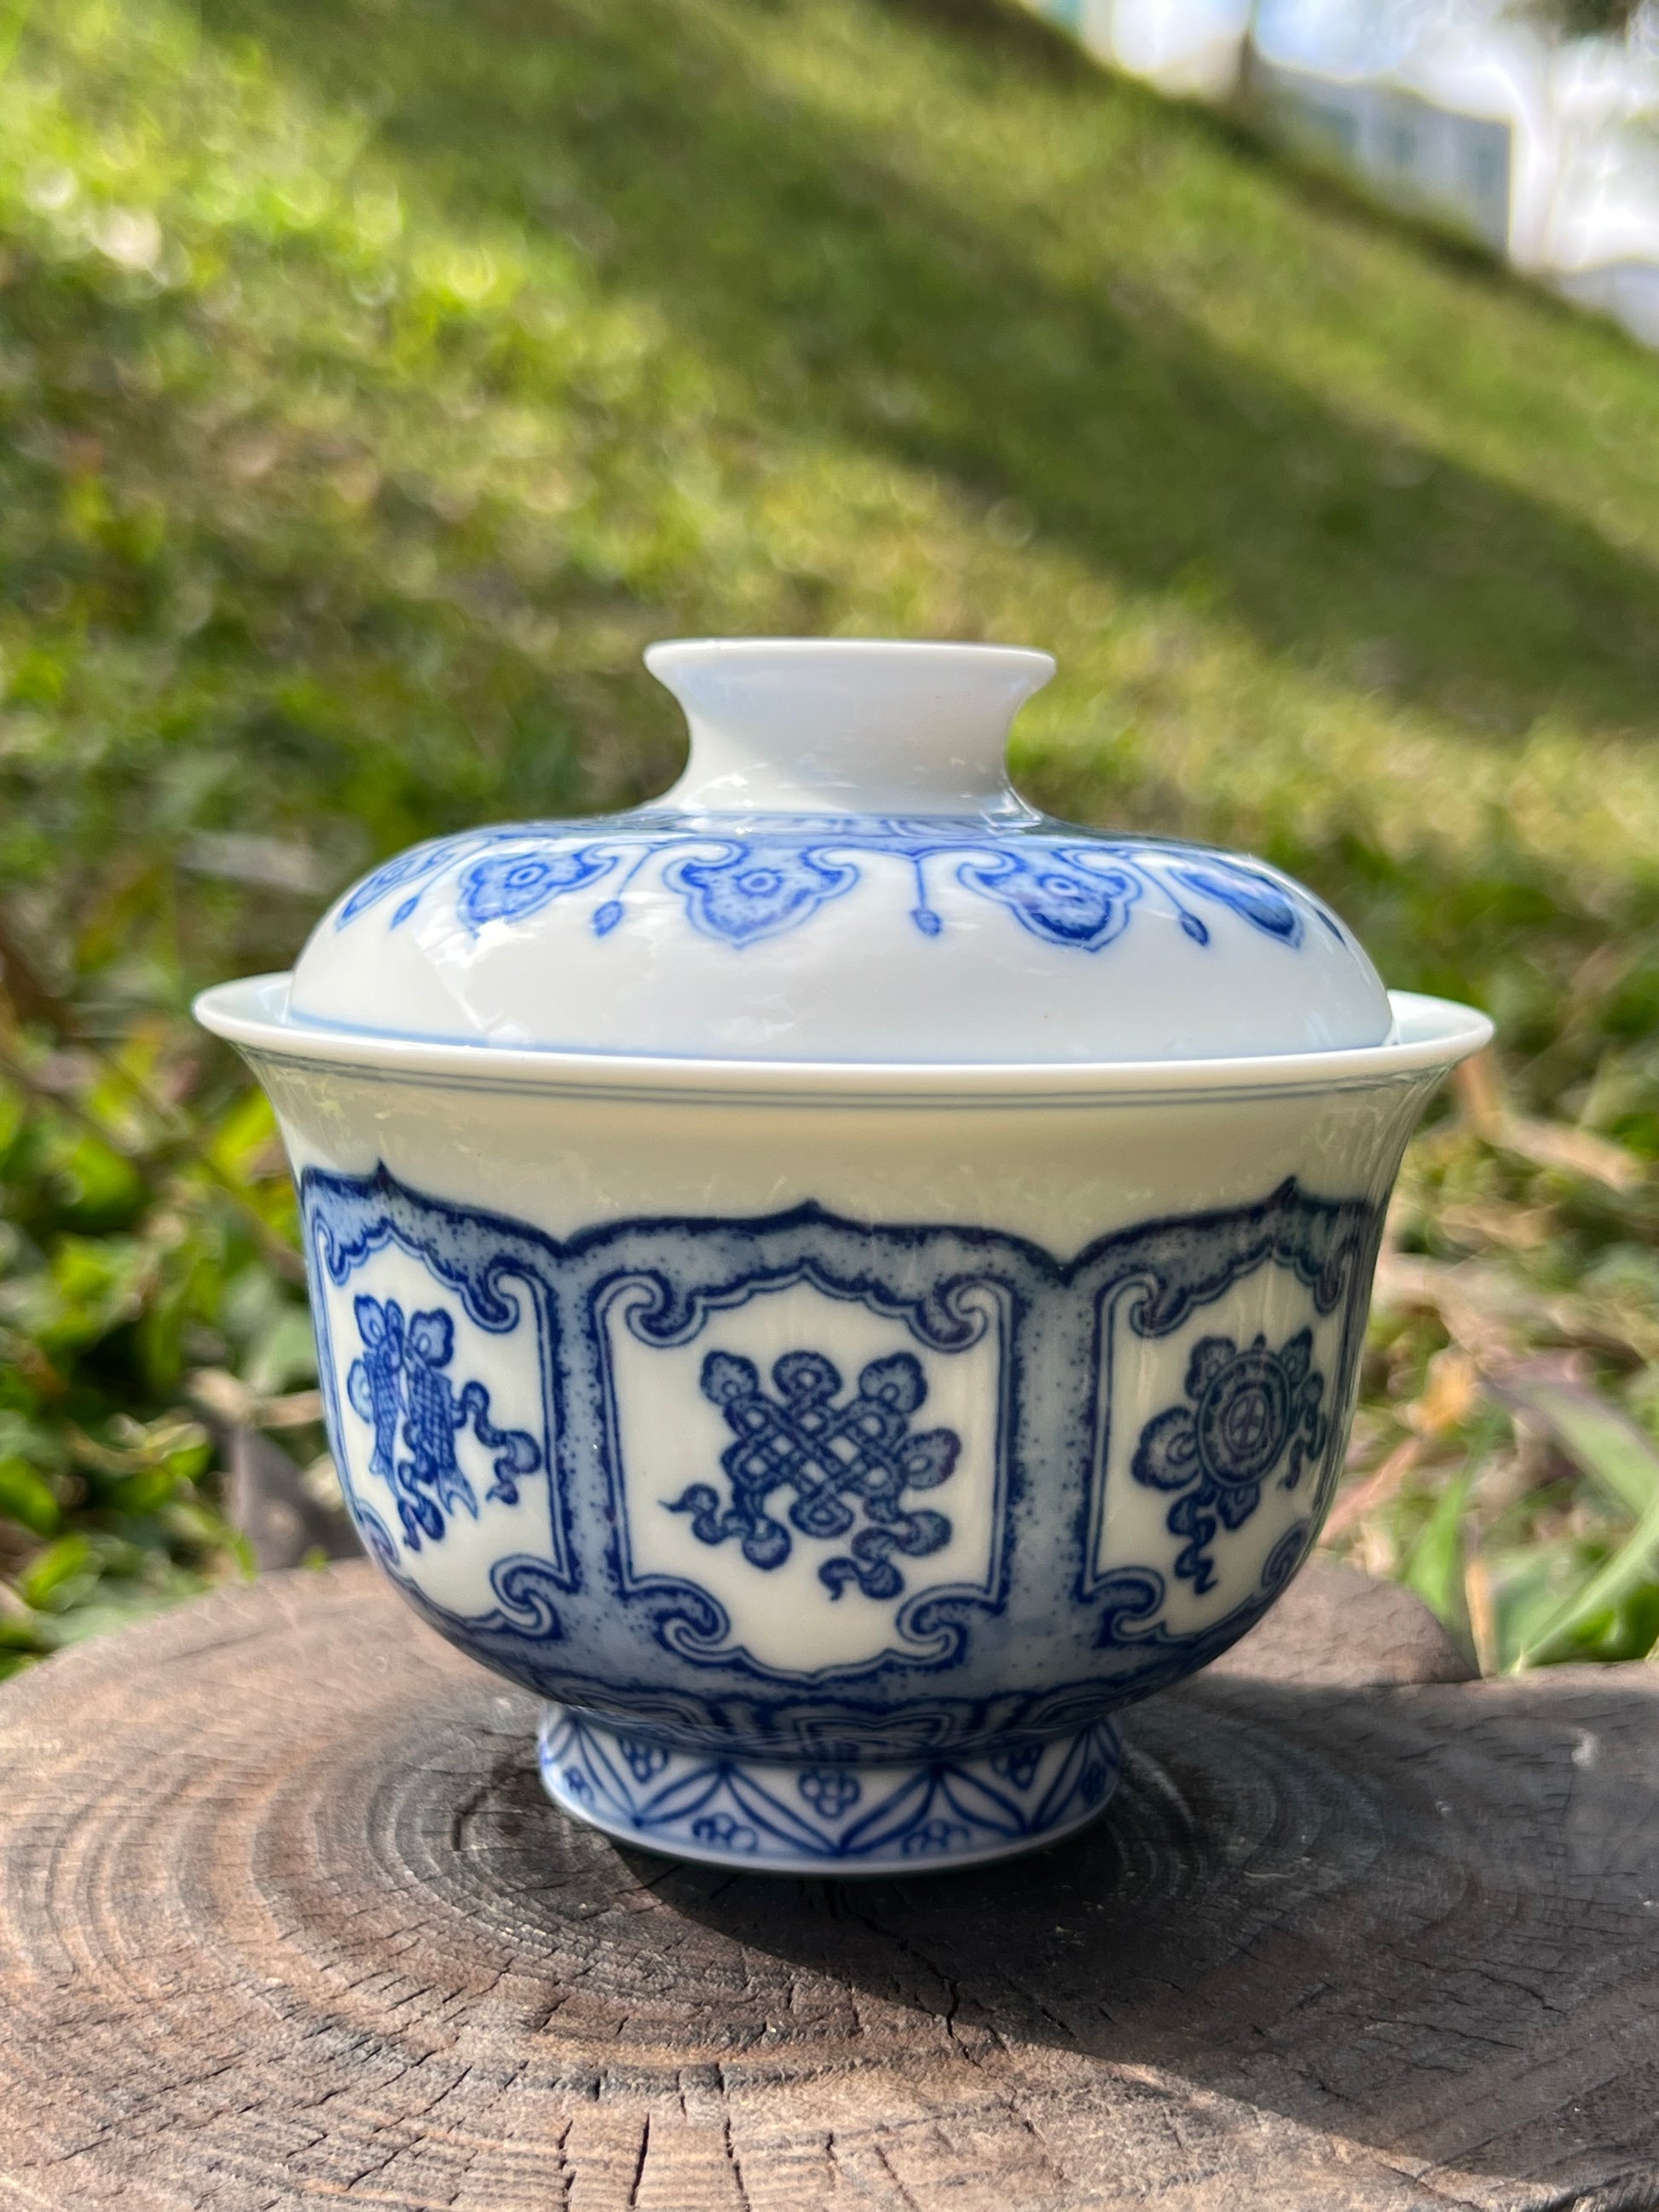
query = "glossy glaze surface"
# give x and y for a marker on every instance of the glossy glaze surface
(835, 1283)
(842, 873)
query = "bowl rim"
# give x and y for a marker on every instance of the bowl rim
(1429, 1036)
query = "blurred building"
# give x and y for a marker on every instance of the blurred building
(1438, 160)
(1445, 118)
(1462, 110)
(1191, 48)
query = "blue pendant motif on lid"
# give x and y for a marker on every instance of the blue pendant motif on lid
(743, 878)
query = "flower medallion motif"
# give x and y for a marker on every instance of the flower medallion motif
(1247, 1413)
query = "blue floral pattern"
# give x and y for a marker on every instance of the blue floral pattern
(1255, 897)
(831, 1791)
(517, 884)
(744, 877)
(946, 1811)
(398, 1386)
(569, 1614)
(1067, 896)
(759, 889)
(419, 865)
(827, 1455)
(974, 1720)
(1246, 1414)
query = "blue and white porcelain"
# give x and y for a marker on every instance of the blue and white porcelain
(835, 1282)
(845, 814)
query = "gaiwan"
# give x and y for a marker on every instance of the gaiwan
(835, 1281)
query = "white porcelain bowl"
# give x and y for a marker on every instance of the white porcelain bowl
(836, 1437)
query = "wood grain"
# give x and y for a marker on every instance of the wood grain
(285, 1920)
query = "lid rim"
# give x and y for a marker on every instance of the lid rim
(1431, 1036)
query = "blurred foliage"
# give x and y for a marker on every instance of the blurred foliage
(376, 379)
(1505, 1458)
(137, 1245)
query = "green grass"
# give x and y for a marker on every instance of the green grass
(376, 379)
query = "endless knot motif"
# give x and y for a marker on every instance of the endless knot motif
(834, 1458)
(399, 1388)
(1246, 1411)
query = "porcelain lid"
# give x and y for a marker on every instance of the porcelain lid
(842, 873)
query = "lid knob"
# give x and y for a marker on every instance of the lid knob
(846, 725)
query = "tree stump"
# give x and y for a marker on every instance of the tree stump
(285, 1919)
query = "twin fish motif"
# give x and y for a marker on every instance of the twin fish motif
(398, 1386)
